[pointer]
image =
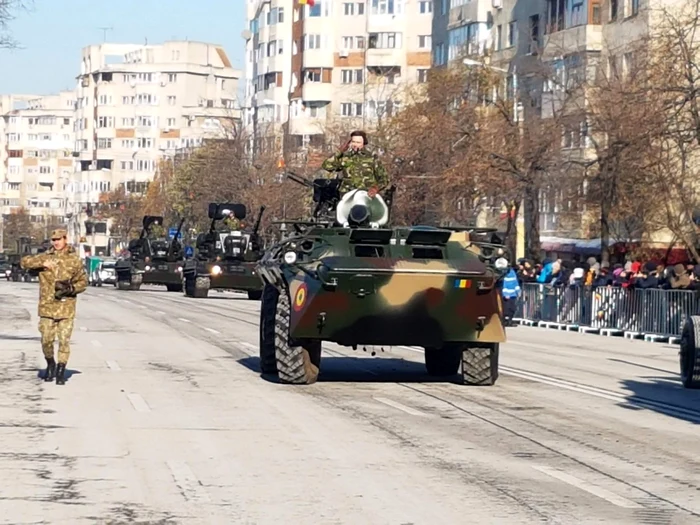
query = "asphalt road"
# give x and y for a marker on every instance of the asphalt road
(166, 419)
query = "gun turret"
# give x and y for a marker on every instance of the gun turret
(171, 249)
(255, 237)
(299, 179)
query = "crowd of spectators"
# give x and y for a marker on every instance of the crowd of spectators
(632, 274)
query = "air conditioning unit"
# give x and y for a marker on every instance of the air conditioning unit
(343, 53)
(497, 4)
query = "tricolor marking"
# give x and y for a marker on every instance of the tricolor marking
(463, 283)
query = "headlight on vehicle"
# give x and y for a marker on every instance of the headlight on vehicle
(179, 268)
(148, 268)
(216, 269)
(501, 263)
(290, 257)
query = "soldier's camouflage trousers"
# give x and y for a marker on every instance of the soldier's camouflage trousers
(52, 329)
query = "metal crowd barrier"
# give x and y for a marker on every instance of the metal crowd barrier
(636, 311)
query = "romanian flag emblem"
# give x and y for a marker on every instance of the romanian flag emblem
(310, 3)
(463, 283)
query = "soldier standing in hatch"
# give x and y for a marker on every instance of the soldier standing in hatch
(61, 278)
(359, 167)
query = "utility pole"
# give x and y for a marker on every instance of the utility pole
(104, 32)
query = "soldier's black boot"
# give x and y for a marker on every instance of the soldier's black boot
(61, 374)
(50, 370)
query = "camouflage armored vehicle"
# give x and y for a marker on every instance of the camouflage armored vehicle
(690, 352)
(351, 279)
(225, 258)
(152, 259)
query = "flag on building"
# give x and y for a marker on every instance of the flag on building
(310, 3)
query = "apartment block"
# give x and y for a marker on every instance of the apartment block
(36, 162)
(334, 64)
(139, 104)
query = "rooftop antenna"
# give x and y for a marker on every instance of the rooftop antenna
(104, 32)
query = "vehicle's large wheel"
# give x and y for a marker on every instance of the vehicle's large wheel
(296, 364)
(255, 295)
(443, 361)
(268, 309)
(690, 353)
(123, 285)
(480, 364)
(188, 285)
(174, 287)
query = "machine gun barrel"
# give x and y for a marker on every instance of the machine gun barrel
(299, 179)
(258, 220)
(174, 239)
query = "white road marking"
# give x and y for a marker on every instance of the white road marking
(113, 365)
(212, 330)
(96, 343)
(188, 483)
(399, 406)
(183, 320)
(138, 403)
(588, 487)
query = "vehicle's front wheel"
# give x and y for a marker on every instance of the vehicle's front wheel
(445, 361)
(690, 353)
(268, 310)
(297, 363)
(480, 364)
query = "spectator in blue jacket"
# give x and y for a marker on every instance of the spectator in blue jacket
(510, 293)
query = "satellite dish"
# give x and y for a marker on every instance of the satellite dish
(246, 34)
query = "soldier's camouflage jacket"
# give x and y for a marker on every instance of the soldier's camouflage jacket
(361, 169)
(68, 268)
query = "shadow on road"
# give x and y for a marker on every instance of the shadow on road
(663, 395)
(20, 337)
(69, 373)
(364, 370)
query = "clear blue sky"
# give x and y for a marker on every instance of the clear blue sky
(53, 32)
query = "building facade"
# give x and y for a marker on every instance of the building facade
(311, 68)
(36, 161)
(135, 106)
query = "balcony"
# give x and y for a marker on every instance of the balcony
(384, 57)
(318, 58)
(317, 91)
(570, 40)
(305, 125)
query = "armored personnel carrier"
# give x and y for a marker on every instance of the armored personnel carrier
(24, 246)
(349, 278)
(225, 258)
(151, 260)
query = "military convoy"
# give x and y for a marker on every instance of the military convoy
(152, 260)
(225, 258)
(349, 278)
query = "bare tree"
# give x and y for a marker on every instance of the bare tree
(8, 13)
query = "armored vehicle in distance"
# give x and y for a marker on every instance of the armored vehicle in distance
(152, 260)
(225, 259)
(348, 278)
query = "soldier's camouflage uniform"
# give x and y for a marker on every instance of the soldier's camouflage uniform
(56, 316)
(360, 170)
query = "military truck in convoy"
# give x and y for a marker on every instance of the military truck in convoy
(225, 258)
(152, 259)
(349, 278)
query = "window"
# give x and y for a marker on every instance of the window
(275, 16)
(128, 100)
(105, 122)
(635, 7)
(128, 122)
(348, 42)
(146, 98)
(385, 40)
(511, 34)
(351, 109)
(146, 121)
(145, 142)
(104, 100)
(320, 8)
(387, 7)
(172, 100)
(45, 170)
(595, 11)
(439, 54)
(425, 7)
(127, 165)
(172, 77)
(613, 10)
(360, 42)
(422, 76)
(312, 41)
(104, 143)
(351, 76)
(127, 143)
(66, 122)
(425, 42)
(172, 122)
(348, 9)
(499, 37)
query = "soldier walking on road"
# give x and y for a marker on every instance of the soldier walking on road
(61, 278)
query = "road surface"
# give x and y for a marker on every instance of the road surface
(165, 419)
